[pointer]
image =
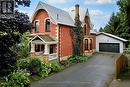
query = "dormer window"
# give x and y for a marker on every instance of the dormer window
(47, 25)
(36, 24)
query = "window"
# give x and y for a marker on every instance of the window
(47, 25)
(90, 44)
(51, 49)
(39, 48)
(86, 44)
(84, 29)
(36, 24)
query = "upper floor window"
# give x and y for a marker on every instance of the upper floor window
(85, 30)
(47, 25)
(36, 24)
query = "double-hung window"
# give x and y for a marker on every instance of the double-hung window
(47, 25)
(36, 24)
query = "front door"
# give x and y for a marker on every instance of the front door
(51, 49)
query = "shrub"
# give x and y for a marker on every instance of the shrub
(16, 79)
(55, 67)
(65, 63)
(77, 59)
(35, 66)
(23, 64)
(4, 84)
(45, 70)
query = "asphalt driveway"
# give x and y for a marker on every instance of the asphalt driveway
(96, 72)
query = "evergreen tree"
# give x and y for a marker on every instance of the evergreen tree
(101, 29)
(119, 24)
(124, 6)
(113, 25)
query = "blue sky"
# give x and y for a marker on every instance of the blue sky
(100, 10)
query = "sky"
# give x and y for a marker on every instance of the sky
(99, 10)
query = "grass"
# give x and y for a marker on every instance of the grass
(34, 78)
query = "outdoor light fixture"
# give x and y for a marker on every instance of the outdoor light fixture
(7, 8)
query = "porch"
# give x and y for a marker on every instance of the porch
(44, 46)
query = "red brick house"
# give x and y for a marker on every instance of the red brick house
(51, 35)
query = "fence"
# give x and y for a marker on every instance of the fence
(120, 64)
(127, 50)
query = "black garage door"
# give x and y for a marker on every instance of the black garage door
(109, 47)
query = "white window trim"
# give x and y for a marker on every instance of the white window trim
(45, 23)
(38, 23)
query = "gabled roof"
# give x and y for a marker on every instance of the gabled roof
(82, 13)
(42, 38)
(113, 36)
(57, 15)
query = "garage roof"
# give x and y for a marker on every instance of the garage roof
(113, 36)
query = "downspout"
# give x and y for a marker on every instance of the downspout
(58, 45)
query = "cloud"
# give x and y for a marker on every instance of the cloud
(57, 1)
(99, 18)
(99, 1)
(96, 12)
(69, 9)
(104, 1)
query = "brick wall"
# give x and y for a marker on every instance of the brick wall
(41, 16)
(65, 41)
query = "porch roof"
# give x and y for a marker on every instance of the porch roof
(42, 39)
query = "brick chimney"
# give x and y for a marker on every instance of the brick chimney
(77, 12)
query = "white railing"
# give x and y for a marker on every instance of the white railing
(53, 56)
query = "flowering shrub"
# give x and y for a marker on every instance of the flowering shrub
(55, 67)
(16, 79)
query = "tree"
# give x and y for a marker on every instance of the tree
(124, 6)
(22, 49)
(10, 31)
(23, 2)
(101, 29)
(77, 37)
(119, 24)
(113, 25)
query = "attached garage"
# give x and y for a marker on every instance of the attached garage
(109, 43)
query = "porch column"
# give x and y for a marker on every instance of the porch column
(46, 49)
(32, 48)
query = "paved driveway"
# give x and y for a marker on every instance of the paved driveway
(96, 72)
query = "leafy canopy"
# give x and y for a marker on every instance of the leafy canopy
(10, 31)
(119, 23)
